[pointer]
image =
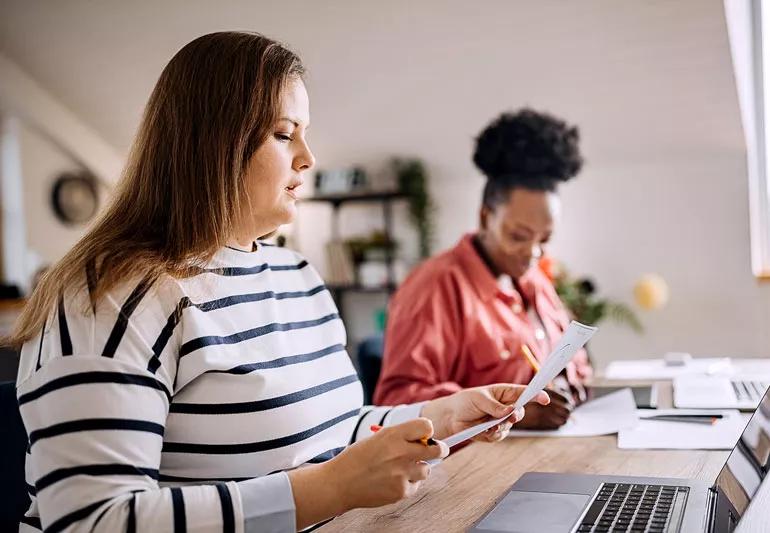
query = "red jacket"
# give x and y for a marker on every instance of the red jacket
(451, 326)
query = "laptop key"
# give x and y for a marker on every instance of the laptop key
(593, 512)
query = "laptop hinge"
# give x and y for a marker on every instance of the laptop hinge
(711, 507)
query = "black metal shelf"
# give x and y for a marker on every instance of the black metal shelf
(390, 287)
(385, 198)
(369, 196)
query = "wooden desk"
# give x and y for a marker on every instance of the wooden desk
(469, 483)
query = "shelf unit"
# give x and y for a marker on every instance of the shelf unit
(386, 199)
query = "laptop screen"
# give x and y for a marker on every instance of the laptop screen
(749, 461)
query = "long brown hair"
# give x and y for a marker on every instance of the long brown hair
(182, 188)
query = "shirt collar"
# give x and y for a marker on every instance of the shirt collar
(481, 276)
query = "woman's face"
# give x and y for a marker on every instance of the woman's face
(515, 231)
(275, 171)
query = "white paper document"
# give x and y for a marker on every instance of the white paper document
(666, 435)
(657, 368)
(574, 338)
(602, 416)
(710, 366)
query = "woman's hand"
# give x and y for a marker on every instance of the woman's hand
(551, 416)
(469, 407)
(379, 470)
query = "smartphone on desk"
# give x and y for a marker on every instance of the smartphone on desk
(645, 397)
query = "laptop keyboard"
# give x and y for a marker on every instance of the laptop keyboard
(749, 390)
(635, 507)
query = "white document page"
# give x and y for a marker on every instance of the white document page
(664, 435)
(602, 416)
(574, 338)
(657, 368)
(710, 366)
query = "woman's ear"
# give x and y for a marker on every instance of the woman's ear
(484, 214)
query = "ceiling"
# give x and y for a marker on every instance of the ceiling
(646, 76)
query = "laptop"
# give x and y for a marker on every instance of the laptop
(717, 392)
(560, 503)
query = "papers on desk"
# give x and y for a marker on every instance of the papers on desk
(713, 366)
(602, 416)
(657, 368)
(574, 338)
(667, 435)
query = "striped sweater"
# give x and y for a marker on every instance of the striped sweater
(179, 406)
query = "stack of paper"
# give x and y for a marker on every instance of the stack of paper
(666, 435)
(711, 366)
(602, 416)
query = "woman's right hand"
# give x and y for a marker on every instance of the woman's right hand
(376, 471)
(385, 467)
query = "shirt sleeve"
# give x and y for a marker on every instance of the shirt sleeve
(95, 428)
(421, 347)
(383, 416)
(95, 422)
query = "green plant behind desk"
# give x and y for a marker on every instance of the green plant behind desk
(413, 181)
(580, 297)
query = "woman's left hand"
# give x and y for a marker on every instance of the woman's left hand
(470, 407)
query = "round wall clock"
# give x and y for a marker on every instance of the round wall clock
(75, 197)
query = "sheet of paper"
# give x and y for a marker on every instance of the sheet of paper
(657, 369)
(602, 416)
(657, 435)
(574, 338)
(712, 366)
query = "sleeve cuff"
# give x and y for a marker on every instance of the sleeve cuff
(268, 504)
(404, 413)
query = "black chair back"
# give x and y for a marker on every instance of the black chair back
(369, 364)
(14, 501)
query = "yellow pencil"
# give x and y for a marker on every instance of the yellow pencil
(530, 358)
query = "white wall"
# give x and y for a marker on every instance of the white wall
(649, 83)
(47, 238)
(49, 139)
(664, 188)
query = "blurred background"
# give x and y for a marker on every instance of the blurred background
(669, 186)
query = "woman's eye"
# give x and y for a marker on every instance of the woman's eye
(519, 238)
(283, 137)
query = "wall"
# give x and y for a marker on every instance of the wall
(649, 83)
(664, 188)
(47, 139)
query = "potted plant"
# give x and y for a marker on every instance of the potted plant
(413, 181)
(580, 297)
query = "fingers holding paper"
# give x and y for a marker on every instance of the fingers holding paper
(551, 416)
(507, 394)
(470, 407)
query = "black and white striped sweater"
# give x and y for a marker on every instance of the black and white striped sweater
(179, 406)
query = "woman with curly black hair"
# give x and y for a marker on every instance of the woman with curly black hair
(471, 315)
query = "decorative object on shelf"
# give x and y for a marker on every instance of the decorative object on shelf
(339, 263)
(345, 180)
(75, 197)
(413, 181)
(372, 274)
(375, 246)
(579, 296)
(395, 269)
(371, 255)
(651, 292)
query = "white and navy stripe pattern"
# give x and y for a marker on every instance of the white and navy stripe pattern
(180, 404)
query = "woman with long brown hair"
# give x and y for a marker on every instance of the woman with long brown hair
(176, 371)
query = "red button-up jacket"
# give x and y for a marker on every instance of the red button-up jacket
(451, 326)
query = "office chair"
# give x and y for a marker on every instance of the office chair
(369, 364)
(13, 446)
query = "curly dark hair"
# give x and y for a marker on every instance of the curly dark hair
(527, 149)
